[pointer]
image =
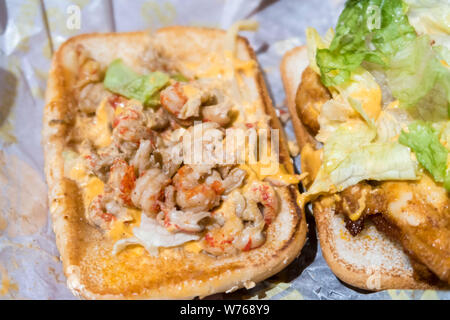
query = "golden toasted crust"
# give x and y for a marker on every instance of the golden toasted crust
(92, 271)
(292, 66)
(370, 261)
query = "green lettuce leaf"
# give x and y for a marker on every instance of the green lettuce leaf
(314, 41)
(367, 30)
(123, 80)
(395, 30)
(423, 139)
(118, 75)
(418, 74)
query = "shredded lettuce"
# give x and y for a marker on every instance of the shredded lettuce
(423, 139)
(390, 124)
(351, 155)
(417, 73)
(420, 81)
(431, 17)
(358, 107)
(367, 30)
(123, 80)
(348, 137)
(152, 236)
(359, 97)
(412, 82)
(375, 161)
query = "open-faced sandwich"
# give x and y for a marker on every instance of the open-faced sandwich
(159, 186)
(370, 107)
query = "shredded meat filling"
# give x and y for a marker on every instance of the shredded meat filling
(357, 203)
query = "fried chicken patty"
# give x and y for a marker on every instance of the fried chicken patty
(311, 95)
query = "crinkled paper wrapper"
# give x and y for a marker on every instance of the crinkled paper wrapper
(31, 30)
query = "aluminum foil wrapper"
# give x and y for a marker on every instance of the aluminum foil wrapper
(30, 31)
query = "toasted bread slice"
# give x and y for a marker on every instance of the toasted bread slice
(92, 271)
(370, 260)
